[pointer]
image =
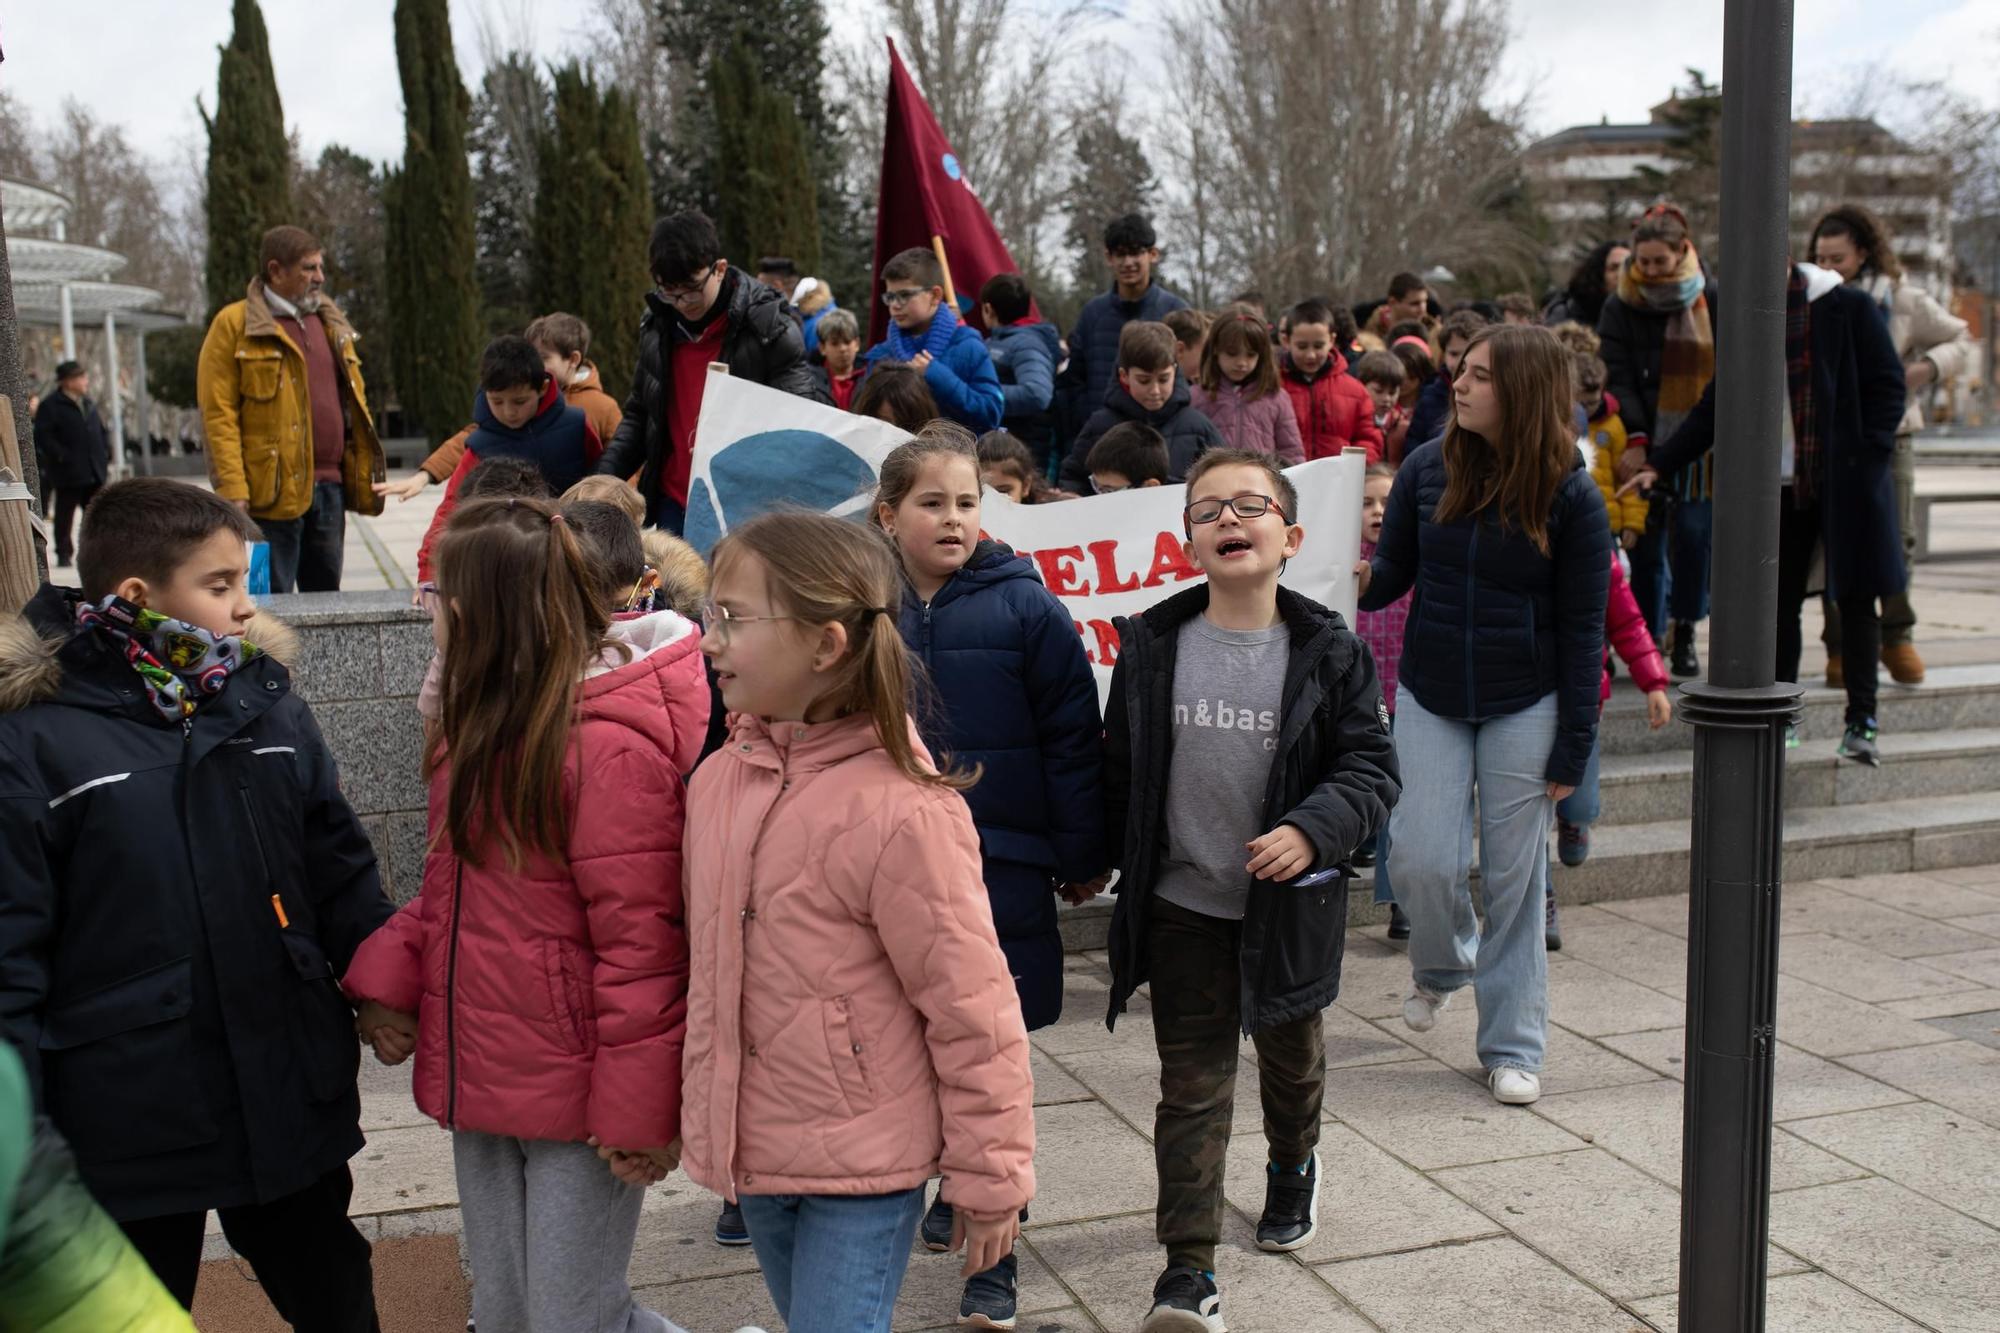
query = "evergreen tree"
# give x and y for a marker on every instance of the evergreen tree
(431, 268)
(1694, 181)
(340, 202)
(249, 159)
(588, 253)
(1109, 176)
(509, 122)
(767, 203)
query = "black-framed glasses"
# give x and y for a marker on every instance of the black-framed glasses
(721, 621)
(902, 296)
(1245, 506)
(681, 295)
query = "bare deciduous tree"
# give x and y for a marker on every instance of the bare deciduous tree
(1333, 142)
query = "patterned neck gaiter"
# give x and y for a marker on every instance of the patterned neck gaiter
(180, 664)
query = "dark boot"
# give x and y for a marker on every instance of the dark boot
(1682, 660)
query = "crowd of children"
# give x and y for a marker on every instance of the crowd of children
(750, 867)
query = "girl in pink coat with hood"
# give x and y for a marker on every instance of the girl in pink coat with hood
(853, 1030)
(546, 959)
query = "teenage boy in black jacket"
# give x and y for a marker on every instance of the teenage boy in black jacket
(181, 882)
(1248, 755)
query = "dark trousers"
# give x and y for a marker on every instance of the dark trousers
(1860, 630)
(1899, 615)
(1197, 1028)
(309, 550)
(313, 1265)
(70, 501)
(1650, 573)
(1693, 539)
(666, 513)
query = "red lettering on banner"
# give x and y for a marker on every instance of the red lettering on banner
(1108, 579)
(1168, 559)
(1107, 642)
(1059, 570)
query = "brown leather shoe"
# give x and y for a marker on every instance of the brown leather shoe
(1836, 678)
(1905, 666)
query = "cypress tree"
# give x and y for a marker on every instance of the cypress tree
(767, 202)
(249, 158)
(431, 267)
(592, 221)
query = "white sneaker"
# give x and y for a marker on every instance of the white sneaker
(1422, 1006)
(1514, 1087)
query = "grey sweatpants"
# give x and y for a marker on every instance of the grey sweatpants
(549, 1231)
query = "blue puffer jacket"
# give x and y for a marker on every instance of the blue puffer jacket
(1433, 411)
(1496, 625)
(960, 377)
(1093, 347)
(1016, 695)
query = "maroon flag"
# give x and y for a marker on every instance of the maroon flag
(927, 203)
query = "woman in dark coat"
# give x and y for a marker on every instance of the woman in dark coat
(1847, 394)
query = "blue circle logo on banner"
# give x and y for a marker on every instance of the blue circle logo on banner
(951, 167)
(772, 469)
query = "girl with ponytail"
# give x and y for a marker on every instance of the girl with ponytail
(852, 1026)
(546, 958)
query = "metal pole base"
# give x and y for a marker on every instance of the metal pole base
(1735, 868)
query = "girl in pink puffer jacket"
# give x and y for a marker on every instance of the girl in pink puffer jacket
(545, 961)
(853, 1029)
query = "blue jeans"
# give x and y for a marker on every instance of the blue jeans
(1583, 805)
(1444, 763)
(1694, 528)
(1649, 571)
(308, 550)
(844, 1255)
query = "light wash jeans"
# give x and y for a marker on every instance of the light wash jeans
(1444, 763)
(842, 1256)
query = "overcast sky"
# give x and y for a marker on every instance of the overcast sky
(142, 63)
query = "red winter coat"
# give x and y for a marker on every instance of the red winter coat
(1333, 409)
(1625, 630)
(551, 1002)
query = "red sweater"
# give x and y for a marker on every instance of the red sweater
(1333, 409)
(687, 364)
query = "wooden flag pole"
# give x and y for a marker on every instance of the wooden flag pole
(944, 265)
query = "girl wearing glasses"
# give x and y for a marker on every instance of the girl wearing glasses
(1501, 531)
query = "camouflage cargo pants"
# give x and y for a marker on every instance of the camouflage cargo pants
(1197, 1030)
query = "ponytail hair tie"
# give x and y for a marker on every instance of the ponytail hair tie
(555, 518)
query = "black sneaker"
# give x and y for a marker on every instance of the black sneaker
(1364, 855)
(729, 1227)
(1859, 744)
(1185, 1301)
(1552, 935)
(936, 1228)
(1291, 1207)
(1399, 924)
(1681, 657)
(989, 1297)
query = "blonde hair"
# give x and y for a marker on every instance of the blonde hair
(614, 491)
(824, 570)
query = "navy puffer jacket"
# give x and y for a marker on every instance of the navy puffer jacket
(1495, 625)
(1093, 347)
(1016, 695)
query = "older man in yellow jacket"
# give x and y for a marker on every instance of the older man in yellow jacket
(290, 439)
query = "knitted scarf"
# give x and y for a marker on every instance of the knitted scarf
(179, 664)
(902, 347)
(1687, 358)
(1807, 463)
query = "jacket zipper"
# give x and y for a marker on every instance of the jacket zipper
(1471, 582)
(451, 1003)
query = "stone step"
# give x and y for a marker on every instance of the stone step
(1651, 859)
(1951, 698)
(1649, 788)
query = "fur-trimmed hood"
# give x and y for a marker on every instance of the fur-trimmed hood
(683, 573)
(30, 672)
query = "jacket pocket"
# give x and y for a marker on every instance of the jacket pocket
(569, 1005)
(263, 475)
(848, 1050)
(118, 1067)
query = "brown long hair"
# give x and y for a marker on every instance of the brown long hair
(904, 466)
(1238, 330)
(523, 618)
(1869, 234)
(822, 570)
(1518, 474)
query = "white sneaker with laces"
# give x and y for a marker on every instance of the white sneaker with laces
(1514, 1087)
(1422, 1006)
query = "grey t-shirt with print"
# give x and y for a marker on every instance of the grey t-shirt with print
(1228, 685)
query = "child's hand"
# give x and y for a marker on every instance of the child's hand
(1077, 894)
(920, 363)
(1560, 791)
(1629, 539)
(1363, 574)
(392, 1034)
(406, 489)
(642, 1166)
(1281, 853)
(986, 1243)
(1659, 709)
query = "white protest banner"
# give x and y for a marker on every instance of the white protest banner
(1105, 556)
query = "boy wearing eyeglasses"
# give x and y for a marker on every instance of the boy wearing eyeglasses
(928, 335)
(1248, 755)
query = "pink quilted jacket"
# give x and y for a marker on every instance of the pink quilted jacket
(551, 1002)
(852, 1025)
(1265, 425)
